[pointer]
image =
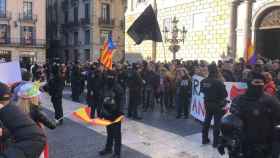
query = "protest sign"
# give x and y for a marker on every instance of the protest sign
(234, 89)
(10, 72)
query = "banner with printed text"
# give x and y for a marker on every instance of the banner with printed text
(234, 89)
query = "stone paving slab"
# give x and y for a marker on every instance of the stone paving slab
(156, 136)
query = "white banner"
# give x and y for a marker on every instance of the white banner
(197, 102)
(10, 72)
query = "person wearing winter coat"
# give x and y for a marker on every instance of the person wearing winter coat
(29, 102)
(269, 87)
(29, 139)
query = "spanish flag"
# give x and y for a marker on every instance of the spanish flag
(106, 54)
(250, 54)
(84, 115)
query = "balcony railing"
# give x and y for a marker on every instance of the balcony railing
(5, 15)
(27, 17)
(106, 22)
(21, 42)
(85, 21)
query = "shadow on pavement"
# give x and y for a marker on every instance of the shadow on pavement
(163, 121)
(73, 140)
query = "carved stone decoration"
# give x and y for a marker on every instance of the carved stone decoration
(271, 20)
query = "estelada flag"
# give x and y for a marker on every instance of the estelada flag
(145, 27)
(106, 54)
(84, 115)
(250, 55)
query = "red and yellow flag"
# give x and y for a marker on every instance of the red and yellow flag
(84, 115)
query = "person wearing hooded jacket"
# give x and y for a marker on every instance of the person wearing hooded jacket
(29, 138)
(259, 113)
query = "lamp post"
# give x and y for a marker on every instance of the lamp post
(175, 40)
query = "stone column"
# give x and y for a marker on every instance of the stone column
(233, 24)
(248, 21)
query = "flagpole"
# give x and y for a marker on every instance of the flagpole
(154, 44)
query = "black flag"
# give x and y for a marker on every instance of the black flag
(145, 27)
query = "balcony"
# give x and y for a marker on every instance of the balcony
(27, 17)
(109, 23)
(69, 25)
(5, 15)
(64, 5)
(85, 21)
(74, 2)
(21, 42)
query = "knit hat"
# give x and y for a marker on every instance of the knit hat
(29, 90)
(4, 90)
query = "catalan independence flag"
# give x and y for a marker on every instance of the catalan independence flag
(83, 114)
(106, 54)
(250, 55)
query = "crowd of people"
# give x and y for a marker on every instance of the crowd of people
(151, 86)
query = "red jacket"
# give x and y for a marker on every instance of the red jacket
(270, 88)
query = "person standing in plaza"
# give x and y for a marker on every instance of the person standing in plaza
(111, 98)
(184, 93)
(135, 84)
(215, 95)
(55, 87)
(76, 83)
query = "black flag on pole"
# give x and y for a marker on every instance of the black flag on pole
(145, 27)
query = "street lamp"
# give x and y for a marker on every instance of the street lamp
(175, 40)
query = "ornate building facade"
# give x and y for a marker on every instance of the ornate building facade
(215, 28)
(78, 28)
(23, 30)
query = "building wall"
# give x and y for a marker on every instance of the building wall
(14, 8)
(207, 22)
(117, 12)
(209, 38)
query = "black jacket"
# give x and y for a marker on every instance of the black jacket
(259, 115)
(214, 90)
(29, 138)
(111, 107)
(56, 86)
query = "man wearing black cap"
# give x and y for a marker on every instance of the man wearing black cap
(214, 100)
(260, 114)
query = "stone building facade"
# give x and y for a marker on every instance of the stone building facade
(215, 27)
(23, 30)
(78, 28)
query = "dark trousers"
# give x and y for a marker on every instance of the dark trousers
(114, 136)
(148, 98)
(212, 110)
(183, 106)
(134, 101)
(94, 104)
(57, 104)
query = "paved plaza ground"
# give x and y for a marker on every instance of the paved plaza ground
(156, 136)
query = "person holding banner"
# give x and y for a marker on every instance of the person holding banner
(215, 94)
